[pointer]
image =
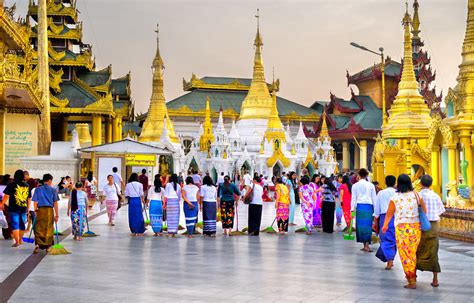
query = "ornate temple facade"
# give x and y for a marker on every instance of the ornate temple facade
(355, 123)
(80, 94)
(21, 100)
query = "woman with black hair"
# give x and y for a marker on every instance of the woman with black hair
(208, 205)
(328, 205)
(134, 193)
(91, 188)
(292, 185)
(228, 199)
(345, 196)
(255, 207)
(6, 232)
(77, 210)
(18, 197)
(317, 186)
(190, 193)
(155, 204)
(172, 196)
(405, 206)
(306, 192)
(111, 192)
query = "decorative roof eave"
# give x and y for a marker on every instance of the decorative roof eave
(65, 33)
(86, 87)
(185, 111)
(18, 32)
(85, 60)
(278, 156)
(102, 106)
(104, 88)
(236, 85)
(54, 10)
(62, 103)
(32, 91)
(375, 74)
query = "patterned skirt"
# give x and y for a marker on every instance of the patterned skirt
(191, 216)
(408, 237)
(282, 216)
(209, 215)
(44, 227)
(307, 215)
(388, 244)
(427, 253)
(156, 215)
(364, 219)
(172, 215)
(227, 214)
(78, 221)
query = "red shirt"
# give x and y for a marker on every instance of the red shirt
(143, 179)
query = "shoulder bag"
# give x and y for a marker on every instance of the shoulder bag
(249, 196)
(425, 223)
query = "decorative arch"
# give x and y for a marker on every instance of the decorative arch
(438, 124)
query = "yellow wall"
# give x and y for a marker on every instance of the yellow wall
(21, 139)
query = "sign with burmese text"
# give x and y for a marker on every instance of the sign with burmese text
(21, 140)
(140, 160)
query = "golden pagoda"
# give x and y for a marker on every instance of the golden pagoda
(408, 125)
(275, 134)
(324, 133)
(258, 102)
(207, 137)
(157, 113)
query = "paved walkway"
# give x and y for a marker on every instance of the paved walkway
(115, 267)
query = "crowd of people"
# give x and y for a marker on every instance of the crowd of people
(393, 213)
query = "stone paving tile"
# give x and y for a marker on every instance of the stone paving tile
(320, 268)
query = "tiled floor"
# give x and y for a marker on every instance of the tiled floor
(115, 267)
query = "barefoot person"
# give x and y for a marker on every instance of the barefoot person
(77, 210)
(228, 197)
(427, 253)
(17, 196)
(388, 245)
(46, 207)
(190, 194)
(362, 201)
(134, 192)
(111, 191)
(282, 205)
(155, 204)
(404, 205)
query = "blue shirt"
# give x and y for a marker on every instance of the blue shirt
(45, 196)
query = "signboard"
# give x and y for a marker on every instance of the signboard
(21, 139)
(140, 160)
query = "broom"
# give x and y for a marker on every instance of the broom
(88, 233)
(57, 249)
(270, 229)
(29, 239)
(237, 232)
(147, 219)
(349, 235)
(301, 230)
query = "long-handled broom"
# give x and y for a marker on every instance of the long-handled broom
(57, 249)
(29, 239)
(270, 229)
(237, 232)
(147, 219)
(349, 235)
(89, 233)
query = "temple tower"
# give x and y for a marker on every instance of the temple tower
(157, 113)
(207, 137)
(257, 105)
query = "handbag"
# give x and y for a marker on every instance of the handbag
(3, 220)
(120, 197)
(425, 223)
(249, 196)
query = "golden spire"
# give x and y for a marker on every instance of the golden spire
(274, 122)
(324, 127)
(258, 102)
(157, 112)
(416, 20)
(465, 85)
(207, 136)
(409, 116)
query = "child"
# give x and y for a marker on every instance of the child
(77, 210)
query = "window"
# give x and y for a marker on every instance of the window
(187, 146)
(277, 144)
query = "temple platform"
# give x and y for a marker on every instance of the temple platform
(115, 267)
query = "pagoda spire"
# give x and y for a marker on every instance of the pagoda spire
(416, 20)
(409, 116)
(324, 127)
(258, 102)
(157, 112)
(207, 136)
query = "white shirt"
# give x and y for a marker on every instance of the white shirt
(32, 205)
(383, 200)
(247, 180)
(152, 195)
(110, 192)
(220, 179)
(191, 191)
(257, 195)
(117, 178)
(134, 189)
(363, 192)
(170, 193)
(434, 205)
(208, 193)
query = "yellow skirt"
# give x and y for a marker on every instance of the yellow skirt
(44, 227)
(408, 237)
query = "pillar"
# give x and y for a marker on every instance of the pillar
(451, 161)
(408, 153)
(465, 138)
(435, 168)
(96, 130)
(363, 154)
(108, 130)
(116, 128)
(64, 128)
(346, 157)
(2, 141)
(356, 157)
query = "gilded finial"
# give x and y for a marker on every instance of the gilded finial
(324, 127)
(416, 20)
(158, 62)
(258, 39)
